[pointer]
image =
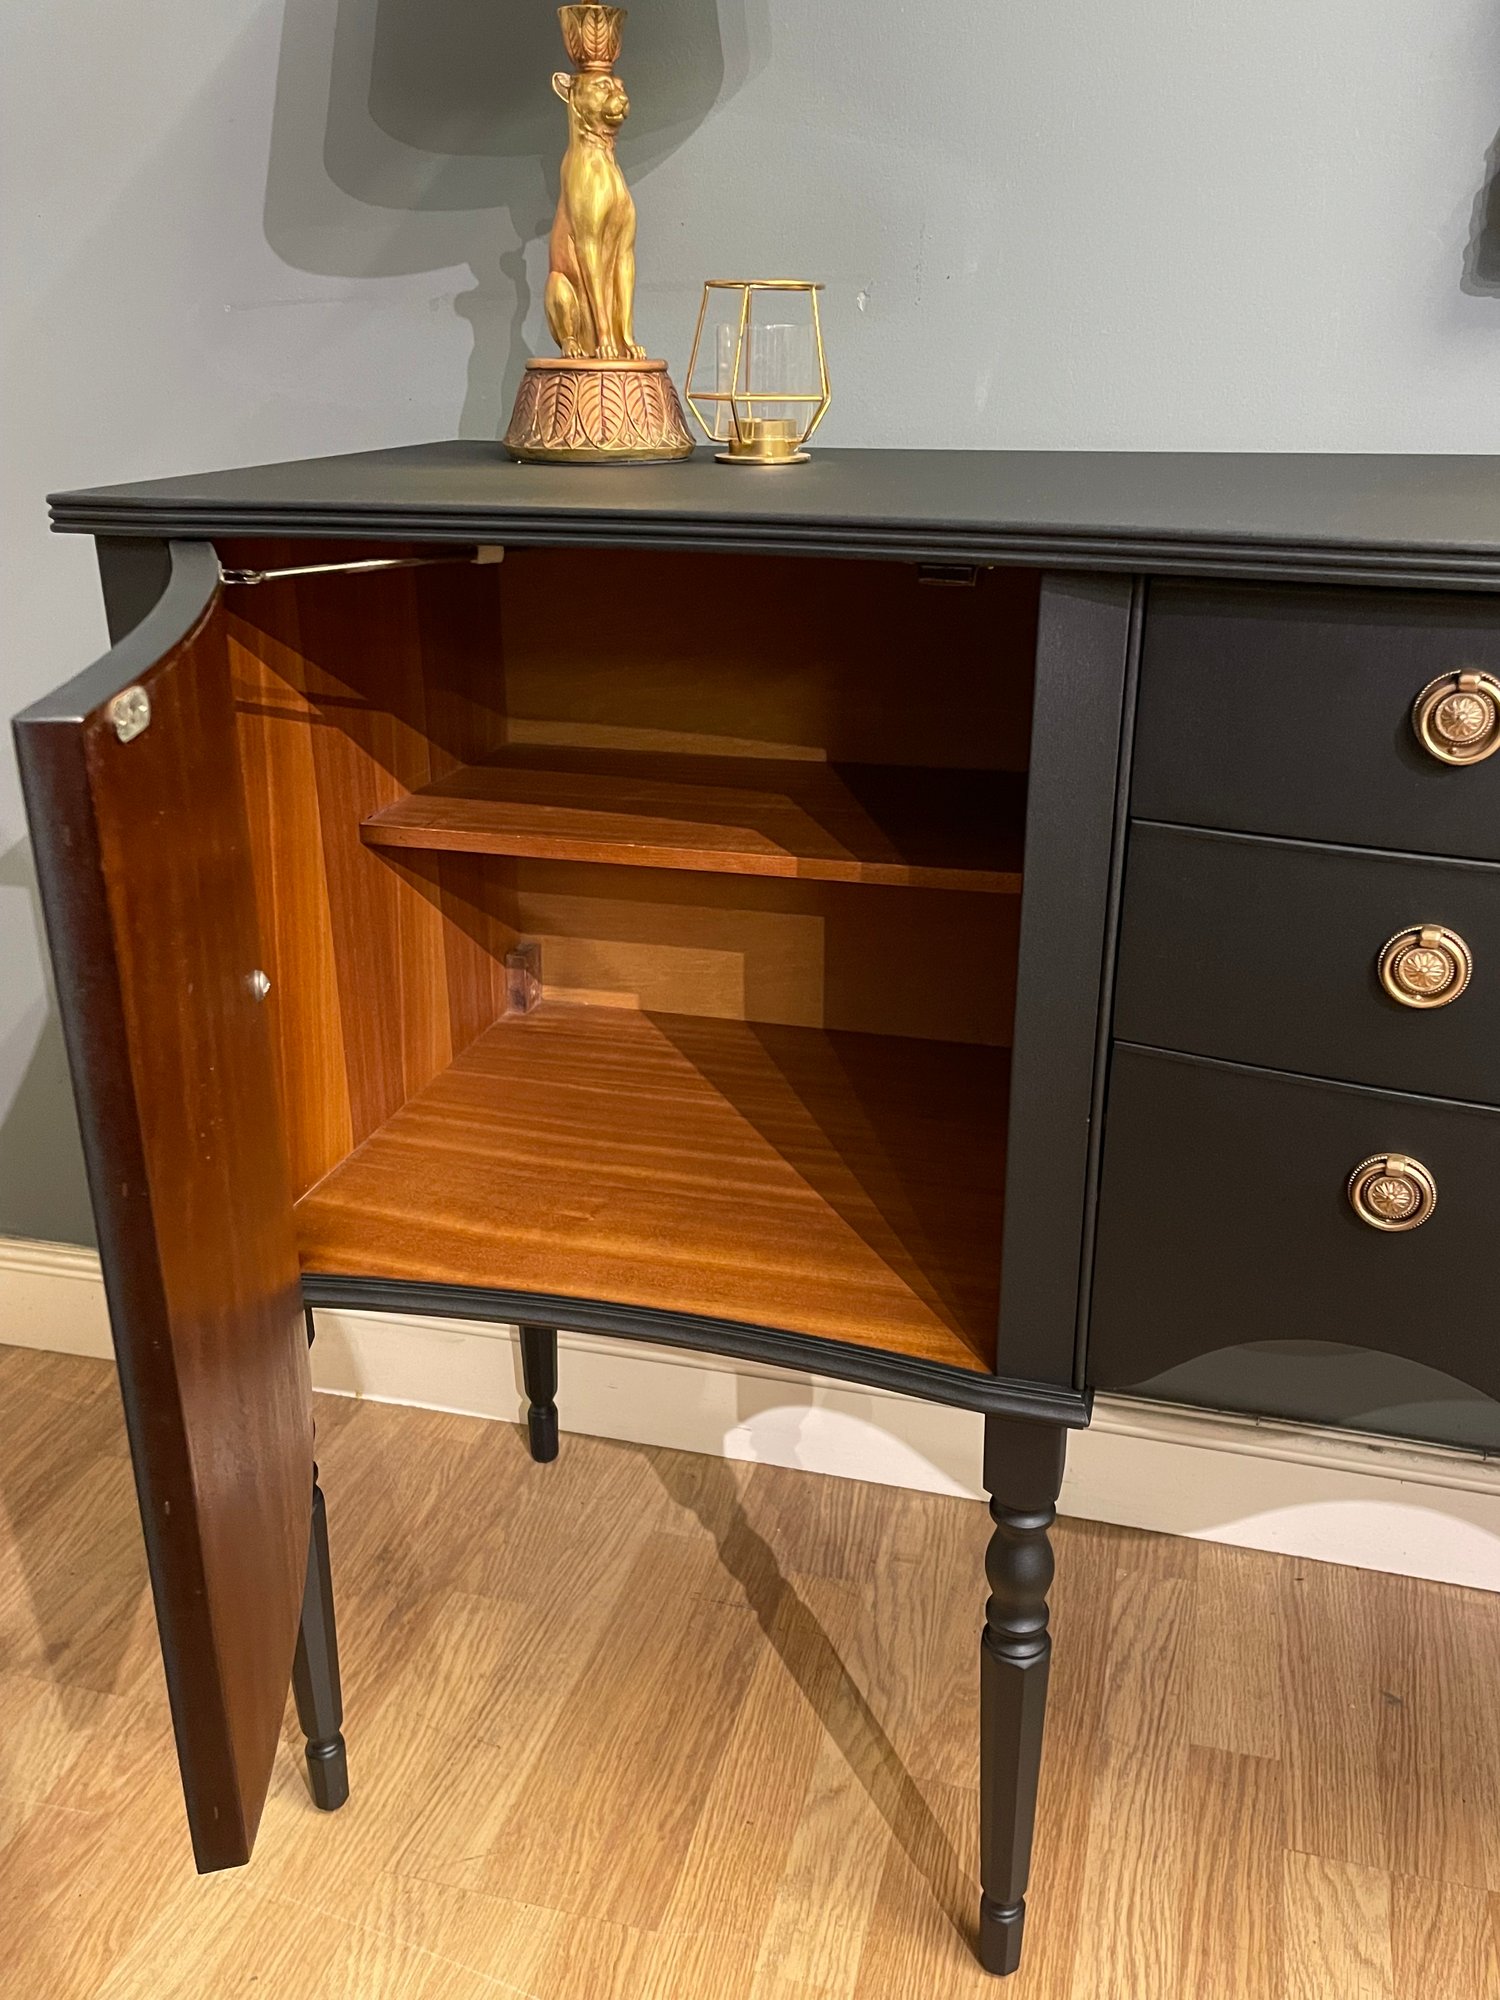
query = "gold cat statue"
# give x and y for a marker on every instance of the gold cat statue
(603, 401)
(591, 284)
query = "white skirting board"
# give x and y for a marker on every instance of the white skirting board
(1333, 1496)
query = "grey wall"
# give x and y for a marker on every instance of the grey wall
(259, 230)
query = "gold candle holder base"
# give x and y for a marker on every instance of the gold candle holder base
(592, 412)
(765, 441)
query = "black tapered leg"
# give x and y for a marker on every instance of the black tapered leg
(315, 1672)
(315, 1666)
(1023, 1468)
(539, 1372)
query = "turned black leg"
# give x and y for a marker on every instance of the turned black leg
(1023, 1468)
(315, 1672)
(539, 1372)
(315, 1666)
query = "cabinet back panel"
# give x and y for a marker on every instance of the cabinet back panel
(934, 964)
(771, 656)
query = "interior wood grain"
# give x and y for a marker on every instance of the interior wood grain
(894, 826)
(351, 692)
(847, 1186)
(816, 774)
(768, 656)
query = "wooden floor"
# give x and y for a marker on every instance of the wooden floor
(642, 1726)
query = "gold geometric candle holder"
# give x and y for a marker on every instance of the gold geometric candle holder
(758, 378)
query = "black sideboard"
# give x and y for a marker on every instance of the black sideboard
(1010, 925)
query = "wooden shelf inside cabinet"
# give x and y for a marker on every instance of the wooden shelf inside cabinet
(898, 826)
(845, 1186)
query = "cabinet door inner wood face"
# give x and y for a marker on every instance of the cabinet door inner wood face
(736, 800)
(142, 850)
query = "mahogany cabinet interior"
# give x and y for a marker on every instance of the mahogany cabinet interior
(963, 885)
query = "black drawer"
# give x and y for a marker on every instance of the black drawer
(1290, 712)
(1224, 1218)
(1267, 951)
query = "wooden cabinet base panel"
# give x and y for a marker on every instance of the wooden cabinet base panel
(840, 1186)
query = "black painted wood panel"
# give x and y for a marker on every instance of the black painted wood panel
(957, 1388)
(1223, 1218)
(1289, 712)
(1264, 951)
(1381, 519)
(1087, 638)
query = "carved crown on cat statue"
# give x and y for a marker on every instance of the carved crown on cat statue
(600, 400)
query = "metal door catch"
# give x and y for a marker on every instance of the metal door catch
(130, 712)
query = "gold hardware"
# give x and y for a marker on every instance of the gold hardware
(130, 713)
(601, 401)
(591, 35)
(1457, 718)
(1426, 966)
(1393, 1192)
(759, 422)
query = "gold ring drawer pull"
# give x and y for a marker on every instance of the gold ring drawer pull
(1391, 1191)
(1426, 965)
(1457, 718)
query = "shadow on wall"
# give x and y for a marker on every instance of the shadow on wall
(43, 1192)
(423, 135)
(1481, 278)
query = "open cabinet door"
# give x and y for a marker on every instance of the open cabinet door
(138, 822)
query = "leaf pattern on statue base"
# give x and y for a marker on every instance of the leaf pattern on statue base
(593, 412)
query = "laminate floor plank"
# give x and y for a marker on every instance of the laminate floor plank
(1237, 1650)
(1474, 1715)
(1445, 1940)
(1337, 1925)
(1331, 1680)
(1438, 1789)
(635, 1749)
(752, 1808)
(1139, 1869)
(1232, 1939)
(814, 1935)
(644, 1726)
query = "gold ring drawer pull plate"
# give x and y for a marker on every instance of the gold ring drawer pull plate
(1391, 1191)
(1426, 966)
(1457, 718)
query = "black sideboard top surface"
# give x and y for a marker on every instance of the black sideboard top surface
(1350, 518)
